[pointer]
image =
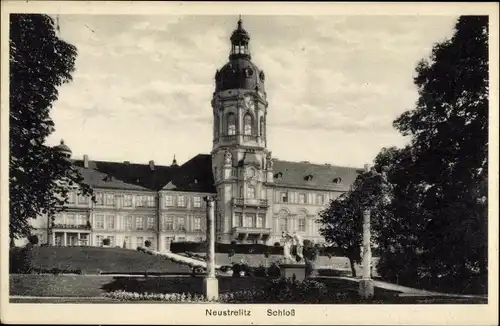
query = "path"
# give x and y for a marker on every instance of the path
(409, 292)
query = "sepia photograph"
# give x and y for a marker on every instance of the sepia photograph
(244, 160)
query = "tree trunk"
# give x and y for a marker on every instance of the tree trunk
(351, 262)
(12, 244)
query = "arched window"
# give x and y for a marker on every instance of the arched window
(231, 124)
(247, 124)
(261, 130)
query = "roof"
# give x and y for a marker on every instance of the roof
(121, 175)
(313, 176)
(196, 175)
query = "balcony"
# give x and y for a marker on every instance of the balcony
(72, 226)
(251, 233)
(249, 138)
(250, 202)
(228, 138)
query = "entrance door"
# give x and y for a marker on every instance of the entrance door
(168, 241)
(72, 239)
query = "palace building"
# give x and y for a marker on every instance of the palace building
(257, 196)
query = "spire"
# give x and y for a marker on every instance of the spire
(174, 161)
(239, 42)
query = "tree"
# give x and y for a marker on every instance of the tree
(440, 179)
(341, 222)
(39, 175)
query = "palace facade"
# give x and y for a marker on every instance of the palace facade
(257, 196)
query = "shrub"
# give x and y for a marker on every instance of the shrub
(170, 297)
(106, 242)
(147, 243)
(277, 244)
(33, 239)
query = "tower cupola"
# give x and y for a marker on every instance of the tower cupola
(239, 43)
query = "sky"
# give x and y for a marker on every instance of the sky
(142, 85)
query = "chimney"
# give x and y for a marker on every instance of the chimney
(85, 161)
(152, 165)
(367, 167)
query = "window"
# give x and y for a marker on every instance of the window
(151, 223)
(168, 224)
(70, 219)
(197, 201)
(197, 224)
(139, 201)
(249, 218)
(302, 198)
(231, 124)
(261, 129)
(260, 221)
(139, 242)
(283, 197)
(180, 224)
(283, 224)
(320, 200)
(151, 201)
(127, 201)
(216, 127)
(111, 241)
(139, 222)
(302, 225)
(152, 240)
(238, 220)
(99, 198)
(251, 192)
(99, 221)
(169, 201)
(127, 222)
(181, 201)
(82, 199)
(127, 242)
(181, 239)
(59, 219)
(110, 222)
(81, 219)
(71, 197)
(247, 124)
(98, 240)
(110, 199)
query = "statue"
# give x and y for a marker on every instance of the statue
(269, 160)
(227, 157)
(262, 76)
(290, 240)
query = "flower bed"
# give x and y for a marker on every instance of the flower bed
(275, 291)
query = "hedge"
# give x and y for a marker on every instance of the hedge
(201, 247)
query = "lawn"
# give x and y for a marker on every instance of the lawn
(90, 260)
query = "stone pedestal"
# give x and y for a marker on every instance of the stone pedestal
(289, 270)
(366, 290)
(211, 288)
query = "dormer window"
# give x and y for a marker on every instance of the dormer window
(308, 177)
(278, 175)
(337, 180)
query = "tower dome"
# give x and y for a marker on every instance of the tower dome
(239, 72)
(63, 149)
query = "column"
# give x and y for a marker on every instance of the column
(210, 283)
(78, 239)
(53, 237)
(366, 283)
(65, 239)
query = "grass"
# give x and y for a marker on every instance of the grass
(90, 260)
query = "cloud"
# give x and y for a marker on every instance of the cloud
(141, 79)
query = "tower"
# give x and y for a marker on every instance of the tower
(241, 163)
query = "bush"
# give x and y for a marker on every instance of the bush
(147, 243)
(106, 242)
(277, 244)
(33, 239)
(170, 297)
(21, 260)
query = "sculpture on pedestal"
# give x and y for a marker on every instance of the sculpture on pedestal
(227, 157)
(269, 160)
(290, 240)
